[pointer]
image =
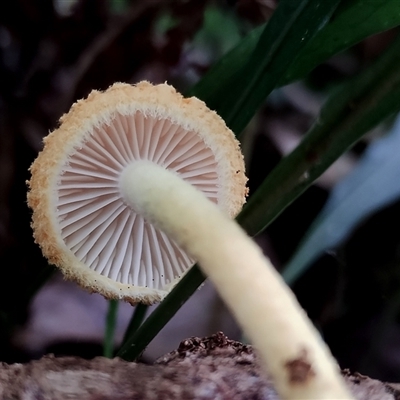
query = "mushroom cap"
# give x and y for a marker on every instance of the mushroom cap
(81, 221)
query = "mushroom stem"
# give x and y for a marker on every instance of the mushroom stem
(289, 345)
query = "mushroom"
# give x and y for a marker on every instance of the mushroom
(82, 217)
(140, 175)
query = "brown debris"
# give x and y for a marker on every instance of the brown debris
(201, 368)
(300, 369)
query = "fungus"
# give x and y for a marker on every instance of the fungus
(120, 174)
(82, 218)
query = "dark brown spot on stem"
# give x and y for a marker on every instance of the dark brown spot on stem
(299, 369)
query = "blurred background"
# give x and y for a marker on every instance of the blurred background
(344, 228)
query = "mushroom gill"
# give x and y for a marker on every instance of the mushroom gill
(81, 218)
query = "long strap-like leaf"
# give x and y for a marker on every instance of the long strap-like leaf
(291, 27)
(353, 21)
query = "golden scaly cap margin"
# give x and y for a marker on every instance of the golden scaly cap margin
(123, 109)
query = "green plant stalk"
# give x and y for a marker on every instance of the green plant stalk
(137, 319)
(133, 347)
(111, 319)
(353, 110)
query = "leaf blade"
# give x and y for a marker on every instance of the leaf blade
(350, 24)
(350, 112)
(372, 185)
(291, 27)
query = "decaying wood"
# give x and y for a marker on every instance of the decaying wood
(201, 368)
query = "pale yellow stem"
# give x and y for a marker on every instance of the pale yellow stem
(289, 345)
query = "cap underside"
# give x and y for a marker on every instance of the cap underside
(95, 223)
(80, 218)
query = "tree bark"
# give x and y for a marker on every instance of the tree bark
(214, 368)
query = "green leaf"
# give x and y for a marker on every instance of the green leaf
(292, 25)
(223, 73)
(352, 22)
(111, 320)
(372, 184)
(133, 346)
(137, 319)
(350, 112)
